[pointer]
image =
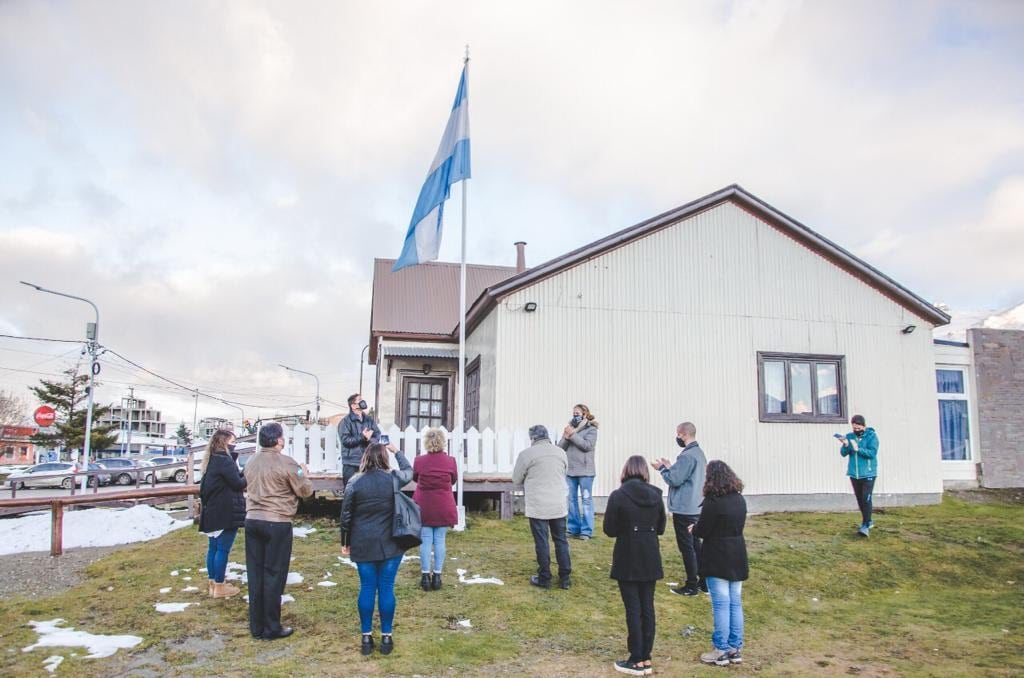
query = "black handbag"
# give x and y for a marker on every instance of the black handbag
(406, 524)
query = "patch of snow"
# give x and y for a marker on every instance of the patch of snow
(303, 531)
(187, 589)
(477, 580)
(97, 645)
(184, 578)
(187, 569)
(166, 589)
(294, 578)
(52, 662)
(174, 573)
(236, 572)
(201, 569)
(326, 583)
(167, 608)
(287, 598)
(671, 584)
(406, 559)
(347, 561)
(466, 623)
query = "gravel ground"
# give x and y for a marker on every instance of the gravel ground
(40, 574)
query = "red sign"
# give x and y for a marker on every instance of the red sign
(13, 432)
(45, 416)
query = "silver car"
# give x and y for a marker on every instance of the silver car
(175, 473)
(122, 470)
(52, 474)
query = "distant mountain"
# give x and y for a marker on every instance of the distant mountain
(1009, 319)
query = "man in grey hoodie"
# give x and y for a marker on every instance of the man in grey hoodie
(540, 469)
(685, 480)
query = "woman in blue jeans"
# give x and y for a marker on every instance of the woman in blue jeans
(366, 518)
(579, 439)
(435, 473)
(723, 561)
(223, 509)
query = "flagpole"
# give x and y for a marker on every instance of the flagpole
(460, 407)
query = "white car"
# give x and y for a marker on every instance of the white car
(52, 474)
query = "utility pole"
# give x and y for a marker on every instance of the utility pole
(92, 334)
(195, 411)
(131, 404)
(292, 369)
(361, 354)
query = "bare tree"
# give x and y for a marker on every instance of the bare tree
(12, 409)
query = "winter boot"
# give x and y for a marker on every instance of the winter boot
(224, 590)
(425, 581)
(435, 581)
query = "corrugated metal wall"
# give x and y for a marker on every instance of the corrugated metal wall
(481, 343)
(667, 329)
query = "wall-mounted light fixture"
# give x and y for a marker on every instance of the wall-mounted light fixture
(909, 329)
(426, 368)
(530, 306)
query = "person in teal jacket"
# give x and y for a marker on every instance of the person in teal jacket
(861, 448)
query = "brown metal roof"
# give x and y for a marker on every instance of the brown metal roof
(736, 194)
(422, 302)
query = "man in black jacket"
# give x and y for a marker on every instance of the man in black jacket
(356, 432)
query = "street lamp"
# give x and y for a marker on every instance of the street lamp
(363, 353)
(92, 333)
(292, 369)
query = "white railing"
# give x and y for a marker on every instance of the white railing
(486, 452)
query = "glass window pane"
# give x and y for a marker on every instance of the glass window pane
(828, 388)
(949, 381)
(435, 410)
(774, 387)
(800, 387)
(435, 392)
(425, 391)
(436, 423)
(413, 409)
(424, 408)
(414, 422)
(413, 389)
(953, 430)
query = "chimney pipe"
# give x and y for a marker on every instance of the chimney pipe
(520, 256)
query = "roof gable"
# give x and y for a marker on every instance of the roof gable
(744, 200)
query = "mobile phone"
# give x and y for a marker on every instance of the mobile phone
(384, 439)
(839, 436)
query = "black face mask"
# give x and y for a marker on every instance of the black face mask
(362, 405)
(575, 421)
(680, 442)
(858, 433)
(231, 448)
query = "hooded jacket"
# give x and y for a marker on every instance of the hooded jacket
(353, 443)
(579, 449)
(635, 516)
(862, 462)
(720, 526)
(220, 492)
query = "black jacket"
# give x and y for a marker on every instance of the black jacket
(353, 444)
(635, 516)
(221, 493)
(368, 511)
(720, 525)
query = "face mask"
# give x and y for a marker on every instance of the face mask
(680, 442)
(858, 433)
(575, 421)
(231, 448)
(362, 405)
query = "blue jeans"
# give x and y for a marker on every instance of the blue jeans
(217, 554)
(727, 609)
(377, 580)
(576, 524)
(432, 537)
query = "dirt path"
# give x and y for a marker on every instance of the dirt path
(40, 574)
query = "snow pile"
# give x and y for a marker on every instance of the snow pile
(167, 608)
(465, 623)
(166, 589)
(98, 646)
(189, 589)
(347, 561)
(303, 531)
(52, 662)
(236, 572)
(326, 583)
(477, 580)
(294, 578)
(91, 527)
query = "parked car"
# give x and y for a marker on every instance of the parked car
(121, 470)
(52, 474)
(175, 473)
(102, 477)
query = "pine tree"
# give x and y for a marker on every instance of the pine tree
(65, 397)
(183, 434)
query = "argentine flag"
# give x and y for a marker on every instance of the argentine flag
(451, 164)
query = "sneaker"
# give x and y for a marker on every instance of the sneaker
(648, 670)
(584, 537)
(537, 581)
(734, 656)
(629, 668)
(685, 591)
(703, 585)
(367, 645)
(864, 531)
(716, 657)
(871, 524)
(387, 643)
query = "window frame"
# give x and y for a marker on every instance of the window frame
(442, 380)
(964, 397)
(472, 397)
(814, 359)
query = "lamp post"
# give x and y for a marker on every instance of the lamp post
(363, 353)
(92, 334)
(292, 369)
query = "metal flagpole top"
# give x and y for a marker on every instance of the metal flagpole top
(467, 54)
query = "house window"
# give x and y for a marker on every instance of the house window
(472, 395)
(801, 388)
(426, 402)
(954, 407)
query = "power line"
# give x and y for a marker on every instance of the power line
(65, 341)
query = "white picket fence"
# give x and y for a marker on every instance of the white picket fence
(486, 452)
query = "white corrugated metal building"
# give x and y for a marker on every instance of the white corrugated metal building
(730, 314)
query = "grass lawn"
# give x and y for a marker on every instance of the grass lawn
(936, 590)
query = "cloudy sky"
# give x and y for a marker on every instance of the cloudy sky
(218, 176)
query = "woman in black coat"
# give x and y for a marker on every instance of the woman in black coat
(635, 516)
(223, 509)
(723, 562)
(367, 513)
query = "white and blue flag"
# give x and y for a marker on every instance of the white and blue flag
(451, 164)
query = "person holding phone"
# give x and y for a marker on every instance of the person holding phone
(861, 449)
(356, 431)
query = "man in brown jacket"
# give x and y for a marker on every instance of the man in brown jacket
(275, 483)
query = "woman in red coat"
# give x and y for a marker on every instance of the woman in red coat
(434, 473)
